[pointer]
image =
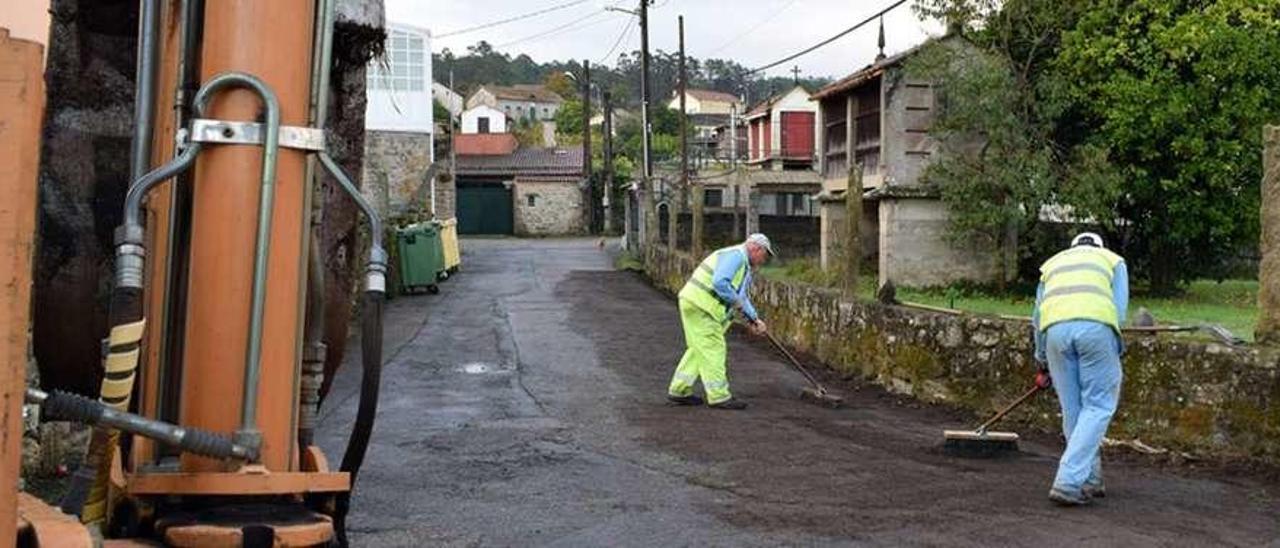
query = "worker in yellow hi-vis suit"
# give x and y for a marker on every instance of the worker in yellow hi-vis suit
(708, 300)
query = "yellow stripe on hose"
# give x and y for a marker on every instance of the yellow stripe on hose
(121, 361)
(127, 333)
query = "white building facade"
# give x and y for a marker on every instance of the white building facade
(483, 119)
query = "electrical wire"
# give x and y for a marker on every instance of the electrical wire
(828, 40)
(510, 19)
(554, 30)
(626, 31)
(753, 28)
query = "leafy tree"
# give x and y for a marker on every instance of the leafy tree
(1176, 92)
(439, 111)
(569, 118)
(561, 85)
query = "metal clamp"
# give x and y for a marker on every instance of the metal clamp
(229, 132)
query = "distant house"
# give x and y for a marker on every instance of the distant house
(452, 101)
(527, 191)
(705, 101)
(399, 123)
(483, 119)
(879, 117)
(519, 102)
(781, 131)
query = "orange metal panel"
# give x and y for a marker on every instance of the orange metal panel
(271, 40)
(52, 527)
(230, 536)
(215, 483)
(21, 112)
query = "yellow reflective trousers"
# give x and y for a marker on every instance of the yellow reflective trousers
(704, 357)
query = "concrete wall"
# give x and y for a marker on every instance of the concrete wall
(908, 113)
(1203, 398)
(832, 225)
(557, 208)
(915, 250)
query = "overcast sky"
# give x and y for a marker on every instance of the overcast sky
(713, 28)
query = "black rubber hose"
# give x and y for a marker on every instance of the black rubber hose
(358, 444)
(60, 405)
(125, 308)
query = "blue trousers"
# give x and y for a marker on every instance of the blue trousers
(1084, 361)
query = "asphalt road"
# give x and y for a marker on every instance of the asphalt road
(523, 406)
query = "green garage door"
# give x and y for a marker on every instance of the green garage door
(484, 208)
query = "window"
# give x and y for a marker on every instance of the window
(712, 197)
(483, 126)
(403, 68)
(533, 199)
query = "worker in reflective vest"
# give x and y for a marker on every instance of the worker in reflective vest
(717, 288)
(1082, 299)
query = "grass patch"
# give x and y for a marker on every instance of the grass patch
(628, 261)
(1230, 303)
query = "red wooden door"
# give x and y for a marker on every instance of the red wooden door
(797, 134)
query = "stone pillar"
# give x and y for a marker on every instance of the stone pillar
(852, 248)
(21, 112)
(1268, 330)
(695, 240)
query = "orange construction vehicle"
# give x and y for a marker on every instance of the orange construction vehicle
(211, 370)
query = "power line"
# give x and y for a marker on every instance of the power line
(626, 31)
(828, 40)
(759, 24)
(511, 19)
(555, 30)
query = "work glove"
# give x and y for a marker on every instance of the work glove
(758, 327)
(1043, 380)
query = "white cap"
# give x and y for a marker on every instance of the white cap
(1087, 238)
(762, 241)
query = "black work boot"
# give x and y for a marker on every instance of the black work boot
(1062, 497)
(731, 403)
(691, 399)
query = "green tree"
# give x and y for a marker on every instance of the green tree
(569, 119)
(439, 112)
(1175, 93)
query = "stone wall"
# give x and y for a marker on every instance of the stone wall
(1179, 393)
(394, 165)
(556, 209)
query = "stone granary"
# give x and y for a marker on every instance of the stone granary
(879, 117)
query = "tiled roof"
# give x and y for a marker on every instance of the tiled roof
(708, 119)
(524, 162)
(484, 144)
(866, 73)
(710, 95)
(537, 93)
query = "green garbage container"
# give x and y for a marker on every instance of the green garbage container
(421, 257)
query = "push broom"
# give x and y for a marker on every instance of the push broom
(984, 443)
(816, 393)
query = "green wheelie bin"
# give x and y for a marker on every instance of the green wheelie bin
(421, 257)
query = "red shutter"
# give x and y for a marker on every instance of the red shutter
(767, 124)
(797, 135)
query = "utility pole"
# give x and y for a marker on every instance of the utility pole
(673, 227)
(589, 191)
(733, 163)
(608, 160)
(649, 227)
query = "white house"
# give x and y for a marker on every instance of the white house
(705, 101)
(451, 100)
(519, 102)
(399, 84)
(399, 127)
(483, 119)
(782, 130)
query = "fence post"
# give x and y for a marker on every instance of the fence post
(1268, 330)
(853, 220)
